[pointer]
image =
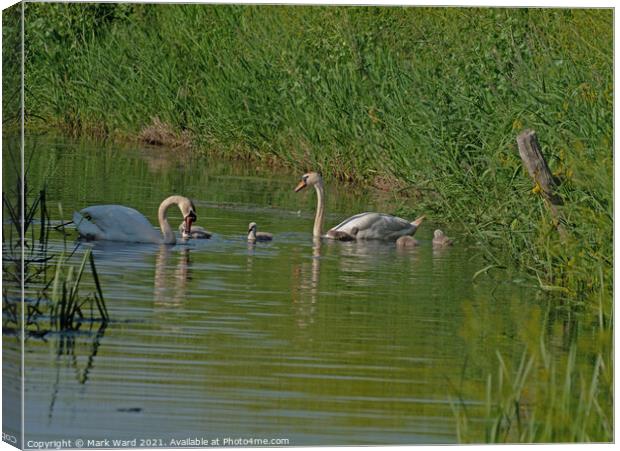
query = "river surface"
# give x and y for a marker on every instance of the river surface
(319, 343)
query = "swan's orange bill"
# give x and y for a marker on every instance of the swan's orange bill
(301, 185)
(418, 221)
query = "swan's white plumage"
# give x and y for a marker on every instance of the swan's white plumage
(375, 226)
(120, 223)
(115, 223)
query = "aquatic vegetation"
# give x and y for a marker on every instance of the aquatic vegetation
(28, 265)
(558, 391)
(67, 306)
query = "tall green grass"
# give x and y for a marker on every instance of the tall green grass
(425, 101)
(11, 68)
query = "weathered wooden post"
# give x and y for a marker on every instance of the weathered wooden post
(537, 167)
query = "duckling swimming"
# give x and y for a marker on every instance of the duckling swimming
(440, 239)
(196, 232)
(254, 236)
(407, 242)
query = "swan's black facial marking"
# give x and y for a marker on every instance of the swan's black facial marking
(192, 216)
(188, 220)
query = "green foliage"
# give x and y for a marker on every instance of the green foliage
(11, 67)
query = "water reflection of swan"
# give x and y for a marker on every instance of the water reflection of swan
(363, 226)
(120, 223)
(358, 260)
(170, 288)
(305, 287)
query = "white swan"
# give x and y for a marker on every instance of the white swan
(254, 236)
(197, 232)
(363, 226)
(120, 223)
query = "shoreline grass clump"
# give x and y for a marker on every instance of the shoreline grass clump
(159, 133)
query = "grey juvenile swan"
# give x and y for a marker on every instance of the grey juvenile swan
(440, 239)
(407, 242)
(196, 232)
(254, 236)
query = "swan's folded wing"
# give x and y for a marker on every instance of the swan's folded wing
(380, 221)
(375, 226)
(120, 223)
(359, 221)
(391, 223)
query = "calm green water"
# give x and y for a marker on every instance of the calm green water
(317, 343)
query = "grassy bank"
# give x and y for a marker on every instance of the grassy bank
(426, 102)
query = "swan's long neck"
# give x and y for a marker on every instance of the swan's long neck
(162, 216)
(320, 210)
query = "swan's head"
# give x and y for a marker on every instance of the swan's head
(438, 234)
(188, 210)
(309, 179)
(252, 227)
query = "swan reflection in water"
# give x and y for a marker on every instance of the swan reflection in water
(305, 286)
(170, 285)
(363, 264)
